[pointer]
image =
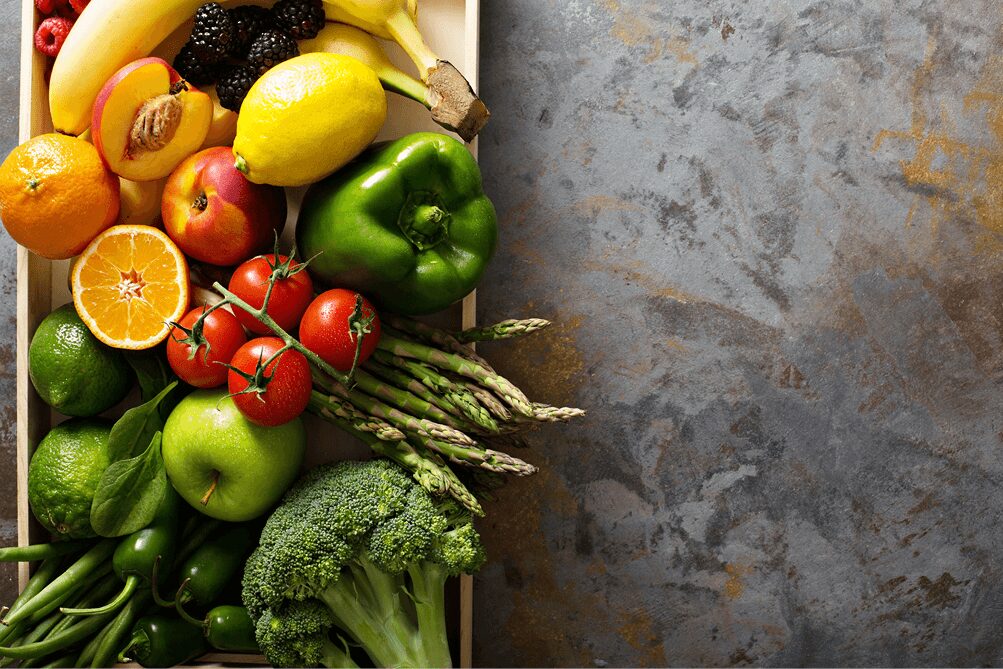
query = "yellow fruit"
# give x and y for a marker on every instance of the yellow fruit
(140, 202)
(129, 284)
(43, 185)
(223, 128)
(109, 36)
(306, 117)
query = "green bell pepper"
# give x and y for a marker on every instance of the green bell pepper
(407, 224)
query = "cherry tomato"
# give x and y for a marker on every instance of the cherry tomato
(285, 394)
(290, 296)
(222, 331)
(325, 329)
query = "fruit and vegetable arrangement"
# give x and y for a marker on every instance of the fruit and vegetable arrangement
(201, 355)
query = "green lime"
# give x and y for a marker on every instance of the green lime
(72, 371)
(64, 473)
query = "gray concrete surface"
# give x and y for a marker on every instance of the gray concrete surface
(770, 235)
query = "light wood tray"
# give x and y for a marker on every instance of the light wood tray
(451, 28)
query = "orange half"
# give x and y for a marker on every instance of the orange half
(129, 284)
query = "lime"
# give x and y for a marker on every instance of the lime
(72, 371)
(64, 473)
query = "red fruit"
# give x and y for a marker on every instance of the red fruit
(326, 328)
(290, 297)
(286, 380)
(78, 5)
(47, 7)
(51, 34)
(205, 369)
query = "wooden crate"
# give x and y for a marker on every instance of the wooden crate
(451, 28)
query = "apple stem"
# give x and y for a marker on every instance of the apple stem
(201, 202)
(212, 488)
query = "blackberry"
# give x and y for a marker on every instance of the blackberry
(271, 48)
(213, 32)
(302, 18)
(193, 69)
(249, 21)
(234, 84)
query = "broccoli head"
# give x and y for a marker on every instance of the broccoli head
(359, 546)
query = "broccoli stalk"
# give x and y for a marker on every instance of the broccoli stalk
(361, 547)
(428, 585)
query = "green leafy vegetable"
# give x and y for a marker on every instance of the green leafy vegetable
(129, 492)
(134, 430)
(153, 374)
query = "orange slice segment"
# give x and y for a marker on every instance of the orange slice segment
(129, 284)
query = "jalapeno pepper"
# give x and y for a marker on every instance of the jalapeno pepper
(164, 641)
(137, 554)
(226, 627)
(229, 627)
(214, 564)
(407, 224)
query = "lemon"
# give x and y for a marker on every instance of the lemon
(71, 370)
(64, 473)
(306, 117)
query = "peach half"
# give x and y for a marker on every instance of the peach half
(147, 119)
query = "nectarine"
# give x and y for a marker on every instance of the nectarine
(214, 214)
(147, 119)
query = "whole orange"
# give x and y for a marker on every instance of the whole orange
(56, 195)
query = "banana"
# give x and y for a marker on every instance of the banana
(108, 35)
(223, 128)
(347, 40)
(459, 107)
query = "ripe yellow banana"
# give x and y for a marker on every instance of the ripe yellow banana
(461, 109)
(108, 35)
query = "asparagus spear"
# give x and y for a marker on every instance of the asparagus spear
(491, 380)
(402, 380)
(489, 401)
(475, 456)
(459, 396)
(550, 414)
(335, 407)
(428, 470)
(392, 415)
(402, 398)
(433, 335)
(506, 329)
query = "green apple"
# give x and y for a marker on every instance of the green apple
(223, 464)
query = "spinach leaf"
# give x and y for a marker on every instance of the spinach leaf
(153, 374)
(133, 431)
(130, 492)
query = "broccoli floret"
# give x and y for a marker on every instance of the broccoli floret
(299, 636)
(358, 546)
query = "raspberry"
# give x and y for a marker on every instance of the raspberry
(47, 7)
(51, 34)
(78, 5)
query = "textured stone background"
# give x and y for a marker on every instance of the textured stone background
(770, 233)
